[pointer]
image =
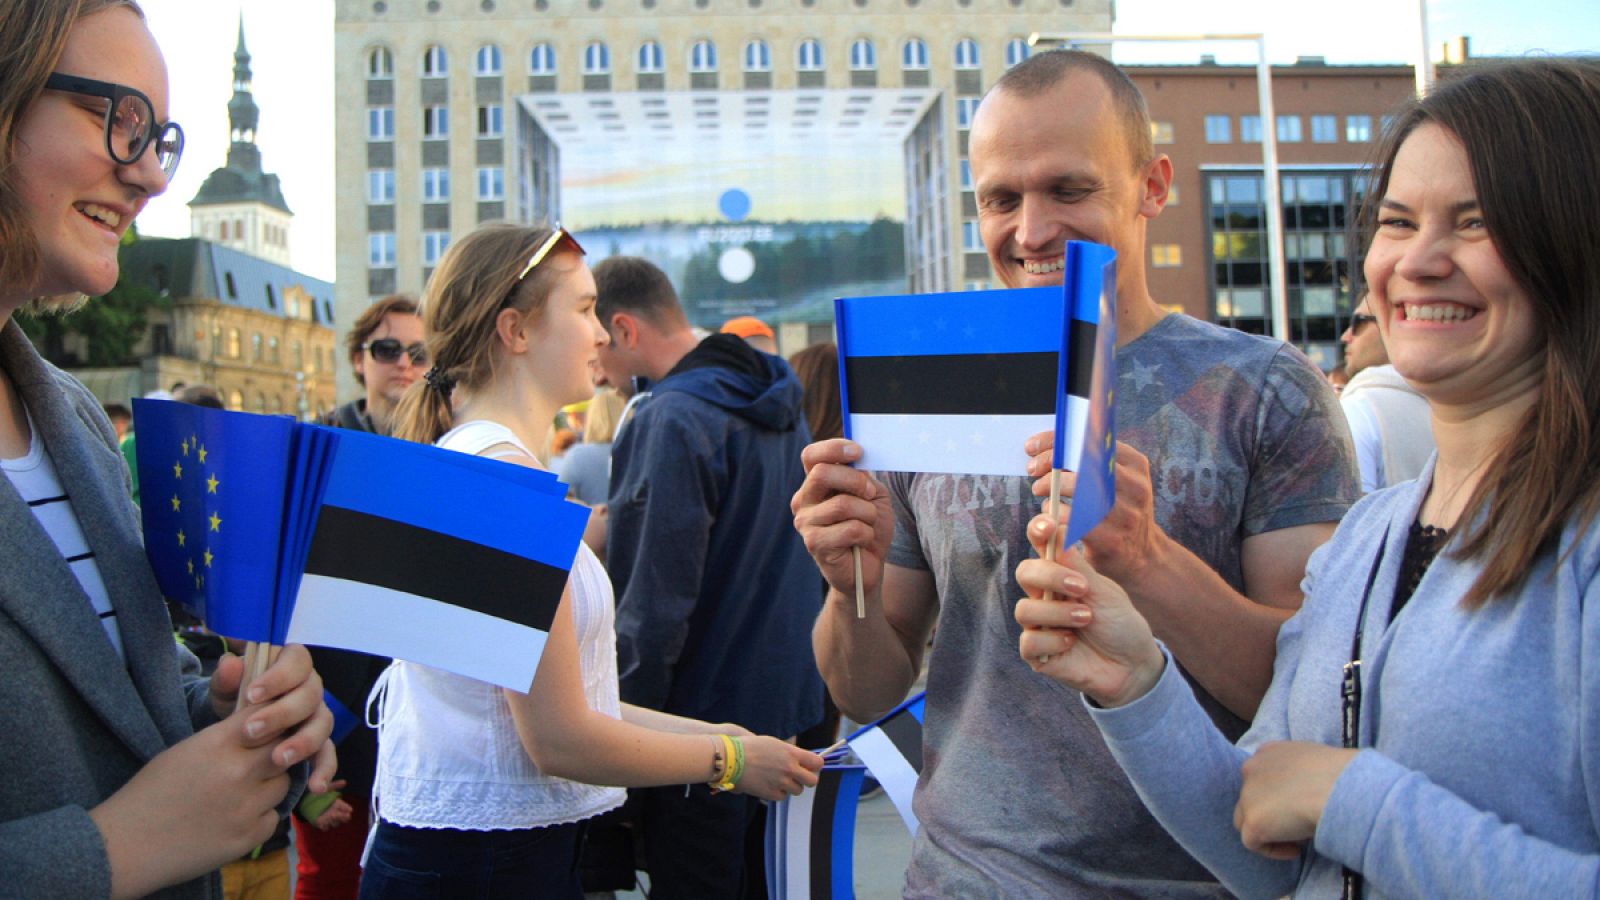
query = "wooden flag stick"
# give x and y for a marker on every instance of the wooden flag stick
(1055, 536)
(258, 657)
(861, 594)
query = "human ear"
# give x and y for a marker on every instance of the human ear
(1157, 184)
(510, 327)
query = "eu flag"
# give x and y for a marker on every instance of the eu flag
(215, 488)
(1086, 430)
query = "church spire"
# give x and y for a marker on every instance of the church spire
(242, 111)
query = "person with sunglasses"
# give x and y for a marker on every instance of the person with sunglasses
(1388, 419)
(481, 791)
(387, 356)
(127, 773)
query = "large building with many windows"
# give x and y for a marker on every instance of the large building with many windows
(455, 112)
(1208, 249)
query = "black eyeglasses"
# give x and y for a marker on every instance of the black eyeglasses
(131, 125)
(1360, 319)
(388, 350)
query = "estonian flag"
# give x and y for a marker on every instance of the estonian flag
(891, 748)
(1086, 435)
(950, 382)
(811, 839)
(275, 531)
(437, 557)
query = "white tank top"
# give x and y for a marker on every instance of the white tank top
(448, 751)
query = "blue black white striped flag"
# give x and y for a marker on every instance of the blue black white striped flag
(891, 749)
(811, 838)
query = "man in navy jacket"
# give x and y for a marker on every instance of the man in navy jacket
(716, 594)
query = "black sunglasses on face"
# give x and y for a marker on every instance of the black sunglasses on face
(1360, 319)
(388, 350)
(131, 125)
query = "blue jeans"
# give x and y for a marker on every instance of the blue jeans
(444, 863)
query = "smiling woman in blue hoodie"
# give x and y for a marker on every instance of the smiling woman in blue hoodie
(1457, 615)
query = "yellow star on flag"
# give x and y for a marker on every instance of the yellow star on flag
(216, 522)
(185, 447)
(211, 484)
(176, 503)
(191, 566)
(202, 454)
(177, 470)
(209, 558)
(180, 537)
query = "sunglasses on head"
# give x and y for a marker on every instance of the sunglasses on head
(550, 243)
(388, 350)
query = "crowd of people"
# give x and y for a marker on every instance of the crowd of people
(1323, 645)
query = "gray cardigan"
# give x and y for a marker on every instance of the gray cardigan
(1480, 775)
(78, 723)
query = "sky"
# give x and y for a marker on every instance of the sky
(291, 44)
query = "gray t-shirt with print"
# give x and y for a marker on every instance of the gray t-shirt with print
(1019, 796)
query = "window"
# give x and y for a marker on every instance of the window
(435, 185)
(1219, 130)
(1324, 129)
(255, 348)
(433, 244)
(1166, 256)
(651, 61)
(488, 61)
(966, 175)
(216, 341)
(703, 57)
(1016, 51)
(491, 183)
(971, 237)
(380, 186)
(966, 108)
(542, 60)
(380, 249)
(491, 120)
(380, 123)
(966, 54)
(297, 356)
(757, 56)
(863, 56)
(1289, 129)
(914, 55)
(380, 63)
(434, 62)
(596, 59)
(1358, 129)
(1160, 132)
(435, 121)
(1250, 129)
(234, 348)
(808, 58)
(223, 228)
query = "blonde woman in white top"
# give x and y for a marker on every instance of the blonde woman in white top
(482, 791)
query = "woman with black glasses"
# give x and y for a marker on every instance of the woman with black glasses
(125, 773)
(1433, 724)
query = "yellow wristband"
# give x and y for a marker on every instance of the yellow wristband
(732, 764)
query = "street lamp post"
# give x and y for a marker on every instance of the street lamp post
(1269, 144)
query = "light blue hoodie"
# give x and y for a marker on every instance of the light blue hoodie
(1482, 773)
